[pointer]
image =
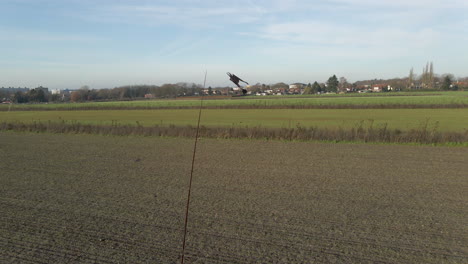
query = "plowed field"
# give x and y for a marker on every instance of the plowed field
(97, 199)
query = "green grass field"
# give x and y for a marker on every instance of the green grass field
(455, 120)
(362, 100)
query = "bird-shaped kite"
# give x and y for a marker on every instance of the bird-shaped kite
(236, 80)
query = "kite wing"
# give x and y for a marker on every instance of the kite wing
(242, 80)
(235, 79)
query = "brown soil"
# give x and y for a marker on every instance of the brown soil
(102, 199)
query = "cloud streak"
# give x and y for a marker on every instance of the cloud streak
(328, 34)
(205, 16)
(15, 34)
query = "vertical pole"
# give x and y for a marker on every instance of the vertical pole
(191, 174)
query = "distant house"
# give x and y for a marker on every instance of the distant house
(461, 85)
(149, 96)
(280, 90)
(381, 87)
(296, 88)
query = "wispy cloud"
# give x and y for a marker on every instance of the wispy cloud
(320, 33)
(184, 46)
(16, 34)
(202, 15)
(433, 4)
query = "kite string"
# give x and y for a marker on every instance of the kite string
(191, 173)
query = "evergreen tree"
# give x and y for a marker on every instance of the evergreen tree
(332, 84)
(431, 76)
(316, 88)
(447, 82)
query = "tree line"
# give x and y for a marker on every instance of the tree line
(128, 92)
(332, 85)
(426, 81)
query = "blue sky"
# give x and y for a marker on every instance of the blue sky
(104, 43)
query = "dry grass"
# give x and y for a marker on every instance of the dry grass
(427, 133)
(245, 106)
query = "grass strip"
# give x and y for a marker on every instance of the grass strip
(425, 134)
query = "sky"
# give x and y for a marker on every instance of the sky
(107, 43)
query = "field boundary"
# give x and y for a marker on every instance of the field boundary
(73, 107)
(425, 134)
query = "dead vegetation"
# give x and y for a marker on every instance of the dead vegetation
(426, 133)
(32, 107)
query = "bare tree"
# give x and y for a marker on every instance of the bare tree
(431, 76)
(343, 84)
(410, 79)
(424, 76)
(427, 77)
